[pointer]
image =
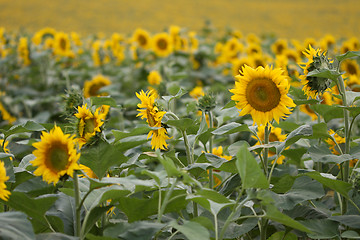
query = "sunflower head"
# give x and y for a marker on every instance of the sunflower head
(154, 78)
(89, 123)
(206, 103)
(317, 60)
(92, 87)
(4, 194)
(55, 155)
(162, 44)
(142, 38)
(262, 92)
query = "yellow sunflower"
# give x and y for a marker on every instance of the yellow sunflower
(149, 111)
(340, 141)
(232, 47)
(91, 88)
(351, 67)
(274, 136)
(238, 63)
(220, 153)
(23, 51)
(56, 155)
(312, 85)
(262, 92)
(42, 34)
(4, 145)
(253, 48)
(162, 45)
(328, 42)
(142, 38)
(154, 78)
(4, 194)
(279, 46)
(5, 115)
(197, 92)
(62, 45)
(89, 123)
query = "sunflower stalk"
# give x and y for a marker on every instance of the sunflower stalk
(211, 141)
(166, 200)
(345, 165)
(266, 150)
(77, 204)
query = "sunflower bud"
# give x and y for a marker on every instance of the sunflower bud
(73, 99)
(206, 103)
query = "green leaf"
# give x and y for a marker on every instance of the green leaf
(251, 174)
(283, 236)
(274, 214)
(304, 189)
(182, 124)
(294, 136)
(234, 230)
(347, 55)
(191, 230)
(352, 221)
(29, 126)
(92, 217)
(324, 155)
(55, 236)
(341, 187)
(34, 208)
(136, 131)
(305, 101)
(322, 228)
(141, 230)
(325, 73)
(350, 235)
(101, 157)
(105, 100)
(328, 112)
(15, 225)
(230, 104)
(352, 97)
(230, 128)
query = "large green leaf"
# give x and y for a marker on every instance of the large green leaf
(191, 230)
(15, 225)
(323, 154)
(141, 230)
(182, 124)
(235, 230)
(137, 131)
(101, 157)
(29, 126)
(250, 172)
(322, 228)
(341, 187)
(328, 112)
(55, 236)
(352, 221)
(34, 208)
(232, 127)
(347, 55)
(325, 73)
(283, 236)
(104, 100)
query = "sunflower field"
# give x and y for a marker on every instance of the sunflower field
(178, 135)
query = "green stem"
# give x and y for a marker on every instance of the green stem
(266, 150)
(216, 227)
(166, 200)
(346, 165)
(189, 155)
(211, 141)
(264, 223)
(77, 204)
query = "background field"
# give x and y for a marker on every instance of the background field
(285, 18)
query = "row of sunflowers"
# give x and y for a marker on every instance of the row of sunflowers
(178, 135)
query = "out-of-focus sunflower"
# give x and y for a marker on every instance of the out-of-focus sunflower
(92, 87)
(89, 123)
(23, 51)
(62, 46)
(238, 63)
(162, 45)
(55, 155)
(351, 67)
(149, 111)
(253, 48)
(197, 92)
(41, 35)
(279, 46)
(142, 38)
(5, 115)
(328, 42)
(4, 194)
(262, 92)
(154, 78)
(232, 48)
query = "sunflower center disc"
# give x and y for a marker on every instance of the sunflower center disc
(89, 126)
(63, 44)
(162, 44)
(142, 40)
(58, 158)
(262, 94)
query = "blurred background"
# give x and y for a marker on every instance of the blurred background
(282, 18)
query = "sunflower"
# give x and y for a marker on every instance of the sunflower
(339, 140)
(142, 38)
(23, 51)
(351, 67)
(91, 88)
(4, 145)
(279, 46)
(253, 48)
(193, 41)
(62, 45)
(238, 63)
(328, 42)
(4, 194)
(232, 47)
(197, 92)
(55, 155)
(292, 55)
(89, 123)
(220, 153)
(154, 78)
(313, 86)
(5, 115)
(262, 92)
(162, 45)
(42, 34)
(149, 111)
(274, 136)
